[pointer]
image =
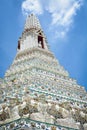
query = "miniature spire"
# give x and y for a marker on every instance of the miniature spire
(32, 22)
(33, 35)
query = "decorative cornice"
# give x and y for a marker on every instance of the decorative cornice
(32, 50)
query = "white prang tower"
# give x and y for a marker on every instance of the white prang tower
(37, 92)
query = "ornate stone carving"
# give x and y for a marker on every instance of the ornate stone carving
(4, 116)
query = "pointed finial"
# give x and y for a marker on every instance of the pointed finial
(32, 22)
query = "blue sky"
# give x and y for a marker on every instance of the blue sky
(64, 23)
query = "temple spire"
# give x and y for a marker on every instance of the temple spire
(33, 35)
(32, 22)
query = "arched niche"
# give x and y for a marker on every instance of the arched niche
(18, 45)
(40, 41)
